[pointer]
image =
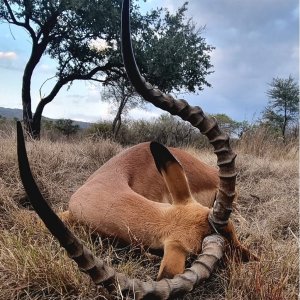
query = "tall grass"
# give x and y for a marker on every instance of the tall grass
(32, 265)
(262, 142)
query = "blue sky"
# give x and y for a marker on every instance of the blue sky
(255, 41)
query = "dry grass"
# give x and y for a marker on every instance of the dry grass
(32, 266)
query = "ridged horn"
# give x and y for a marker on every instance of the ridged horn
(97, 269)
(194, 115)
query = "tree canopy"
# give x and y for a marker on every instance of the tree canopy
(83, 37)
(172, 53)
(231, 127)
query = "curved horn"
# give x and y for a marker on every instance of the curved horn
(101, 273)
(193, 114)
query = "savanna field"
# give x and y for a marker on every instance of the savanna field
(33, 266)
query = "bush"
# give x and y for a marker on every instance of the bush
(168, 130)
(101, 130)
(66, 127)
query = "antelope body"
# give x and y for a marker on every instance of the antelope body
(127, 198)
(128, 185)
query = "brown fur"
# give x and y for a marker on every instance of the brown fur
(127, 198)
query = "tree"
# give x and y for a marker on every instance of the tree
(171, 53)
(64, 30)
(66, 127)
(283, 106)
(68, 31)
(230, 126)
(122, 97)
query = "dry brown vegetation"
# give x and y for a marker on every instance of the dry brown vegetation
(32, 265)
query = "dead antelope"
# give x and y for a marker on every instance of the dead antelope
(154, 196)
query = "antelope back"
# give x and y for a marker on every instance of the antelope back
(134, 169)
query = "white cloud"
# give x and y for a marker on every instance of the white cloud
(46, 68)
(99, 44)
(138, 113)
(171, 6)
(94, 90)
(9, 55)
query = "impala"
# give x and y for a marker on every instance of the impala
(150, 195)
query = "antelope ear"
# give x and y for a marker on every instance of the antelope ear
(172, 172)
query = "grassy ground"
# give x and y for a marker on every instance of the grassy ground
(32, 265)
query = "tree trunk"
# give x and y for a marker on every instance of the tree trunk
(26, 95)
(36, 122)
(36, 54)
(284, 121)
(118, 126)
(117, 122)
(32, 124)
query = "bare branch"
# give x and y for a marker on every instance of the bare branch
(97, 80)
(18, 23)
(40, 90)
(12, 16)
(62, 81)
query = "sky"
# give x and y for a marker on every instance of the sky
(255, 40)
